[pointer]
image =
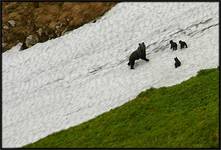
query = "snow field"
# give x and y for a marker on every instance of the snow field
(71, 79)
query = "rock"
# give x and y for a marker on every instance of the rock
(20, 20)
(39, 31)
(64, 31)
(5, 27)
(4, 44)
(58, 32)
(50, 33)
(23, 47)
(11, 23)
(67, 32)
(31, 40)
(51, 36)
(52, 25)
(57, 27)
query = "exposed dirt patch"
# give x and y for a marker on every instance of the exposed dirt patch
(46, 20)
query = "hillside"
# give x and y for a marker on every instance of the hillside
(180, 116)
(73, 78)
(46, 20)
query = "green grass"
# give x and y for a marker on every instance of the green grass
(184, 115)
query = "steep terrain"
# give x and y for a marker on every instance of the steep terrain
(68, 80)
(46, 20)
(180, 116)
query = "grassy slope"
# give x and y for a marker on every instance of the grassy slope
(184, 115)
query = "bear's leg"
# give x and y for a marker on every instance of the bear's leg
(132, 65)
(177, 64)
(128, 64)
(145, 59)
(175, 47)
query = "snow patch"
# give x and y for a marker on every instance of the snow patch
(71, 79)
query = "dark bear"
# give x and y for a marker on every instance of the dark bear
(182, 44)
(173, 45)
(177, 62)
(140, 53)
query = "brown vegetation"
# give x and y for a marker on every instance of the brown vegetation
(46, 19)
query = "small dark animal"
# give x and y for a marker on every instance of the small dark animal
(140, 53)
(23, 47)
(182, 44)
(173, 45)
(177, 62)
